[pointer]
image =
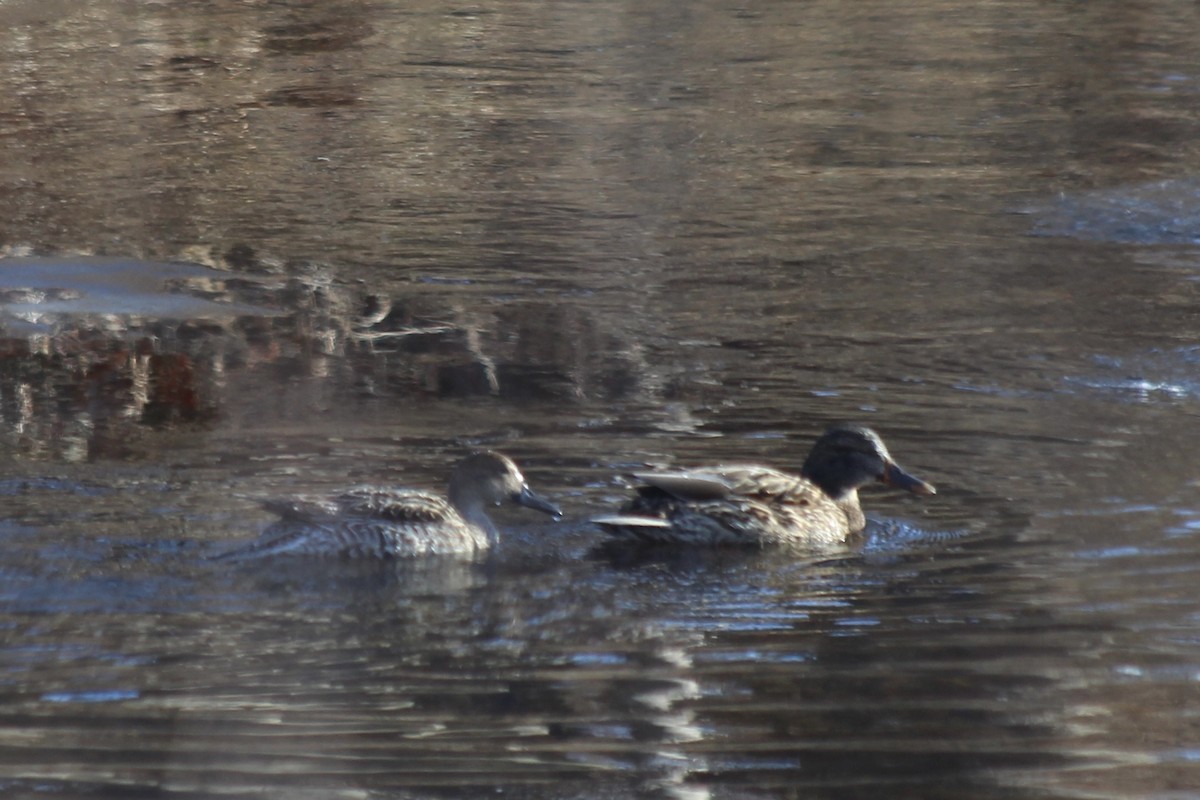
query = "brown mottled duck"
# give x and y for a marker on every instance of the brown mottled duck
(382, 522)
(756, 505)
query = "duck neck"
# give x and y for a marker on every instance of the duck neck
(848, 503)
(831, 478)
(828, 477)
(474, 512)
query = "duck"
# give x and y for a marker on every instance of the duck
(754, 505)
(388, 522)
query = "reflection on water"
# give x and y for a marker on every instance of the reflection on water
(598, 236)
(1164, 212)
(89, 352)
(1148, 377)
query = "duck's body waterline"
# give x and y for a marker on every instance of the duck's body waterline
(385, 522)
(756, 505)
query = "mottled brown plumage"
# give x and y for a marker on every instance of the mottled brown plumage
(379, 521)
(756, 505)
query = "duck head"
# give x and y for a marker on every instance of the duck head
(848, 457)
(489, 478)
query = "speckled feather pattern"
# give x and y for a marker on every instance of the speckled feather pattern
(368, 521)
(762, 506)
(758, 506)
(380, 521)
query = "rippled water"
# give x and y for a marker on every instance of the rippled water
(599, 236)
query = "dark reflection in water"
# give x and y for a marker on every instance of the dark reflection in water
(598, 236)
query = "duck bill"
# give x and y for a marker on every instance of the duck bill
(897, 478)
(530, 499)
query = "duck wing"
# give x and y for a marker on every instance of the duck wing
(729, 483)
(399, 506)
(302, 508)
(364, 502)
(687, 485)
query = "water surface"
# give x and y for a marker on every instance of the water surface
(599, 236)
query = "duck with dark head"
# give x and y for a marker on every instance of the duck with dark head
(756, 505)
